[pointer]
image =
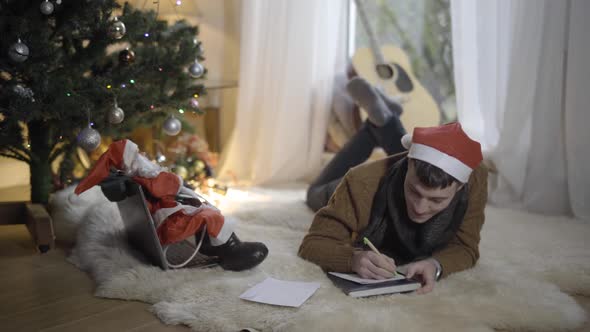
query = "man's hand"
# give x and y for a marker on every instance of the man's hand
(425, 271)
(370, 265)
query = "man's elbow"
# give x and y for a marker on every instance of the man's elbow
(306, 250)
(302, 251)
(458, 259)
(473, 254)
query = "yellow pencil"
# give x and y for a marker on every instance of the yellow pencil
(368, 243)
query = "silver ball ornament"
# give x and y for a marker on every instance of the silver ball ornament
(196, 70)
(89, 139)
(172, 126)
(117, 29)
(18, 52)
(46, 7)
(116, 115)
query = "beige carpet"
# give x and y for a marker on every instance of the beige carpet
(528, 267)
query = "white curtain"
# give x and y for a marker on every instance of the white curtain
(523, 90)
(290, 52)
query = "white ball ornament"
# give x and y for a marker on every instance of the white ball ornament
(116, 115)
(46, 7)
(117, 29)
(196, 70)
(18, 52)
(172, 126)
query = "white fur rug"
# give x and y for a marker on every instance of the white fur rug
(529, 264)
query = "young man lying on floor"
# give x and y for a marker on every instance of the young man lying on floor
(423, 207)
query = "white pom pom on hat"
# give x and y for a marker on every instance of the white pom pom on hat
(407, 141)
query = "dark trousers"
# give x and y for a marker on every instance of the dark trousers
(355, 152)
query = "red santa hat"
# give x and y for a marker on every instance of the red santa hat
(446, 147)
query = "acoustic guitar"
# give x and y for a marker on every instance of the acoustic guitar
(388, 68)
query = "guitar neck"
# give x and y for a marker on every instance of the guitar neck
(373, 44)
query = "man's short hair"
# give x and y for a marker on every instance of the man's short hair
(432, 176)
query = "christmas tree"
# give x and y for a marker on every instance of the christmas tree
(73, 70)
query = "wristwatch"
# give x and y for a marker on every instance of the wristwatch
(438, 272)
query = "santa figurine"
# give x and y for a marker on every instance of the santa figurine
(175, 219)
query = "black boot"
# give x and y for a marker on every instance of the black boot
(235, 255)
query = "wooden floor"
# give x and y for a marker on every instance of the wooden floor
(45, 293)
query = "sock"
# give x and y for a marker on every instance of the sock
(393, 103)
(368, 98)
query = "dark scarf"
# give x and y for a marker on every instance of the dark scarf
(391, 230)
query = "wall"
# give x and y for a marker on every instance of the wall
(13, 173)
(219, 24)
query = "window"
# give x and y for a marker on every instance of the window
(422, 29)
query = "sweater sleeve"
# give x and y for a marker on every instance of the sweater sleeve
(462, 252)
(328, 242)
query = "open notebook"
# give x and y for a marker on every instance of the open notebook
(355, 286)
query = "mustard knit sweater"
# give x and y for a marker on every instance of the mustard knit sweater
(336, 226)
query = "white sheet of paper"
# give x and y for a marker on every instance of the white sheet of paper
(279, 292)
(356, 278)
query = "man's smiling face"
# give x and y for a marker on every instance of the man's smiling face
(423, 202)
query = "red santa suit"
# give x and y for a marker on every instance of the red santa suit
(174, 221)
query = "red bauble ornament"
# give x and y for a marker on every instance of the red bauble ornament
(126, 57)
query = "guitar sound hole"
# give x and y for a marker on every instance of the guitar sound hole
(385, 72)
(403, 81)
